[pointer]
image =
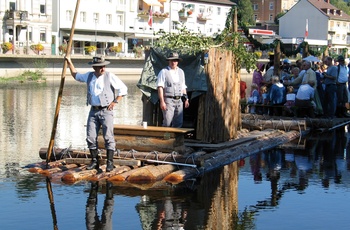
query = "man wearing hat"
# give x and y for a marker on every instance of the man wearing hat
(171, 91)
(342, 94)
(104, 91)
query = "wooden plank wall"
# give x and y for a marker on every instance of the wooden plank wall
(219, 115)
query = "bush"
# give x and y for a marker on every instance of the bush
(90, 49)
(6, 46)
(37, 48)
(62, 48)
(115, 49)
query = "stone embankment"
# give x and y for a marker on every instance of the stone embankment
(125, 68)
(13, 65)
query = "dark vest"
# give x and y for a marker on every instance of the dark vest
(108, 93)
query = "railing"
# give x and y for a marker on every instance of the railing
(17, 15)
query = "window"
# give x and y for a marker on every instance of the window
(82, 16)
(108, 19)
(42, 35)
(121, 6)
(271, 6)
(271, 17)
(12, 6)
(42, 9)
(218, 9)
(69, 15)
(255, 17)
(201, 9)
(120, 19)
(96, 18)
(255, 7)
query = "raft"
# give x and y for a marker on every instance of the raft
(145, 169)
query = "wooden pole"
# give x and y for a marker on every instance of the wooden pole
(58, 104)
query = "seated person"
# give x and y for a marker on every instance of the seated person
(290, 101)
(304, 99)
(254, 98)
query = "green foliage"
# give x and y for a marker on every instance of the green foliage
(185, 41)
(26, 76)
(243, 58)
(278, 16)
(245, 12)
(6, 46)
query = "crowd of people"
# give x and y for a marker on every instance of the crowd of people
(304, 88)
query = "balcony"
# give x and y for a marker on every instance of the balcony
(156, 15)
(203, 17)
(17, 15)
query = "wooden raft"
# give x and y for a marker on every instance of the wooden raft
(162, 139)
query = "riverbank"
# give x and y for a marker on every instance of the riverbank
(125, 68)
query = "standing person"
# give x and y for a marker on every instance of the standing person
(172, 92)
(257, 75)
(104, 91)
(330, 80)
(342, 90)
(277, 96)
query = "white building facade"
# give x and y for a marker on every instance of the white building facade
(324, 23)
(105, 23)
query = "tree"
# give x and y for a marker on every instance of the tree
(245, 12)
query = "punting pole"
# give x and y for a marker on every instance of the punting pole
(60, 92)
(172, 163)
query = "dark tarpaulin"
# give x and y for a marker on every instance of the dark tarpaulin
(191, 64)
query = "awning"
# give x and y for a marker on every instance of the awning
(153, 3)
(99, 38)
(146, 36)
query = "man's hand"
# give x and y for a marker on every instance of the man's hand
(162, 105)
(187, 104)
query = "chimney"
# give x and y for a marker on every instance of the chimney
(340, 13)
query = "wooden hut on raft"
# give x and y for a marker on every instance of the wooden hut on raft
(213, 87)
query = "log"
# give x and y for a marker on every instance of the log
(181, 175)
(86, 161)
(48, 172)
(39, 167)
(227, 156)
(105, 175)
(57, 177)
(151, 173)
(153, 155)
(71, 177)
(285, 125)
(123, 176)
(143, 143)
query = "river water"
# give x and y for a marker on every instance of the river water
(304, 188)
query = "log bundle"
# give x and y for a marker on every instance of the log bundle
(144, 171)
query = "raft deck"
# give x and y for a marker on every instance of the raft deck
(152, 167)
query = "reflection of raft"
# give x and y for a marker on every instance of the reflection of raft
(132, 167)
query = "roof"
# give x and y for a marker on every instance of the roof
(329, 10)
(216, 2)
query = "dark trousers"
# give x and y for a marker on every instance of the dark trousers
(330, 100)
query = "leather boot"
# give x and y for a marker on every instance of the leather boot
(94, 161)
(93, 193)
(110, 165)
(109, 190)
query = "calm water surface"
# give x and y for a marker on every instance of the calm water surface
(279, 189)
